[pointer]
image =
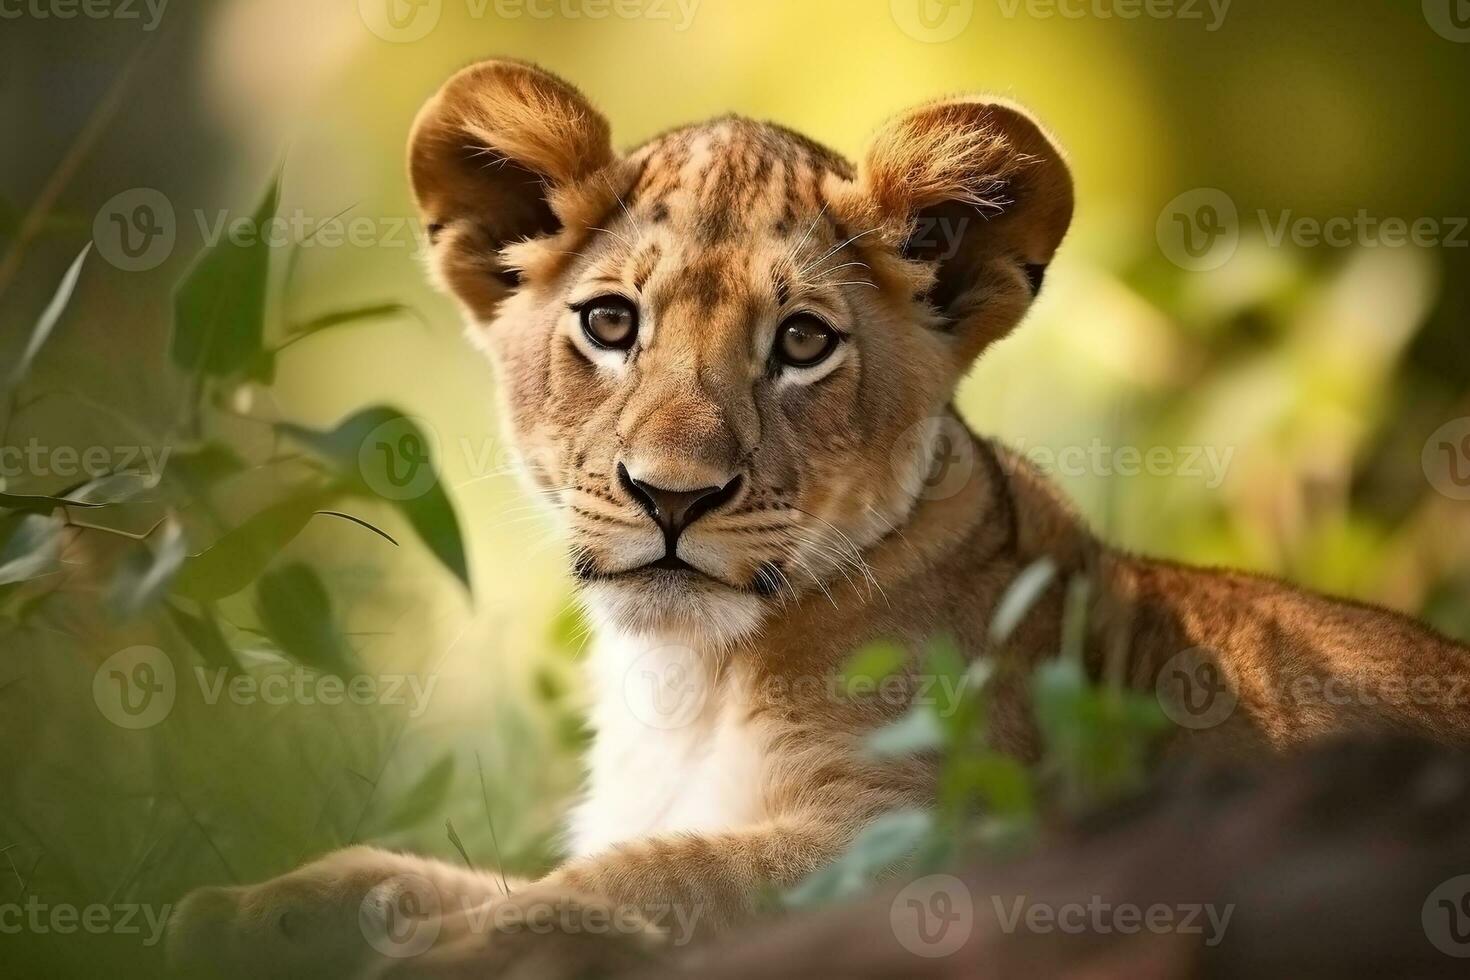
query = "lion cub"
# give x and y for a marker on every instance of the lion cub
(728, 357)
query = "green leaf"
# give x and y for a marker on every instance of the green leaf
(549, 685)
(341, 318)
(114, 488)
(31, 547)
(296, 612)
(204, 635)
(202, 466)
(881, 846)
(1023, 593)
(456, 843)
(261, 368)
(49, 318)
(219, 307)
(427, 797)
(1001, 782)
(1059, 690)
(239, 557)
(916, 732)
(30, 502)
(1098, 740)
(960, 683)
(144, 576)
(360, 523)
(382, 454)
(870, 666)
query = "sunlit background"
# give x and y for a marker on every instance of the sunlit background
(1210, 379)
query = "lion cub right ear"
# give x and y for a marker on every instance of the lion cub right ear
(492, 158)
(976, 194)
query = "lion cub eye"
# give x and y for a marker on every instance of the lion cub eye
(610, 321)
(804, 341)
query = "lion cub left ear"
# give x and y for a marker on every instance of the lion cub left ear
(980, 197)
(495, 158)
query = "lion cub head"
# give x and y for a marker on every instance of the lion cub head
(725, 353)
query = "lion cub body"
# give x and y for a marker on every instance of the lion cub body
(728, 358)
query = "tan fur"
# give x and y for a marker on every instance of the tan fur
(720, 231)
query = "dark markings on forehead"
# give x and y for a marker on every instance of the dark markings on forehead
(644, 263)
(781, 284)
(755, 174)
(705, 283)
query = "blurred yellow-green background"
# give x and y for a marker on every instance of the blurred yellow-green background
(1296, 382)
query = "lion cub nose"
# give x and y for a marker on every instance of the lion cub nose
(674, 510)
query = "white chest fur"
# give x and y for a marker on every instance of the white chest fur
(672, 748)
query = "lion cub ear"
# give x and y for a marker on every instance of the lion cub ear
(978, 195)
(491, 158)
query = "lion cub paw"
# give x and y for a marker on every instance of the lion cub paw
(333, 918)
(540, 932)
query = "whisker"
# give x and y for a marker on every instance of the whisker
(621, 238)
(791, 256)
(842, 560)
(835, 249)
(806, 568)
(856, 553)
(827, 272)
(636, 226)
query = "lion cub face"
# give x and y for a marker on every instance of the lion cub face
(724, 354)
